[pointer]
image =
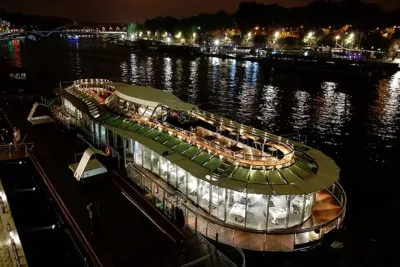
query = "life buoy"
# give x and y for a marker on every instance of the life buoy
(108, 151)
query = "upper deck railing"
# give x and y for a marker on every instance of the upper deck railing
(223, 151)
(240, 157)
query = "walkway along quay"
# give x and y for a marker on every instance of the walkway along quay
(11, 250)
(309, 61)
(130, 231)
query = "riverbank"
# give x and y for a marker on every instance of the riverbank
(321, 62)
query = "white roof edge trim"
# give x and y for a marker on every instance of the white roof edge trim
(137, 100)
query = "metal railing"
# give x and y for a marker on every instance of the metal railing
(65, 212)
(265, 160)
(12, 149)
(223, 151)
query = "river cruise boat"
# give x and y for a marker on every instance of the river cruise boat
(235, 184)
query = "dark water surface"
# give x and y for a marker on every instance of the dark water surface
(353, 119)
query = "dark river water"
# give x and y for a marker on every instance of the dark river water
(354, 119)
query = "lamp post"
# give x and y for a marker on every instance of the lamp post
(337, 37)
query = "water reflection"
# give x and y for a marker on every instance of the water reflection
(386, 109)
(251, 73)
(193, 81)
(268, 108)
(134, 72)
(300, 111)
(247, 103)
(215, 72)
(150, 72)
(75, 63)
(179, 71)
(332, 112)
(168, 74)
(232, 73)
(14, 52)
(124, 72)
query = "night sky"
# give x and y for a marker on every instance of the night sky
(139, 10)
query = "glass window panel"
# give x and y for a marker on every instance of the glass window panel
(172, 175)
(146, 158)
(103, 136)
(163, 168)
(256, 213)
(277, 212)
(204, 195)
(192, 188)
(138, 154)
(182, 180)
(155, 158)
(295, 210)
(129, 151)
(97, 132)
(218, 202)
(309, 203)
(236, 207)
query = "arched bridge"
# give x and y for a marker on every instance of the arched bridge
(67, 29)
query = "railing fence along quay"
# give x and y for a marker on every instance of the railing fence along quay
(13, 151)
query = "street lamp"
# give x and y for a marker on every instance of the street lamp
(337, 37)
(216, 42)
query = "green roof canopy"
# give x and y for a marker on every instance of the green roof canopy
(302, 177)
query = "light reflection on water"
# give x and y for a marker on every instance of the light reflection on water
(168, 74)
(134, 68)
(268, 108)
(386, 109)
(332, 111)
(124, 72)
(301, 111)
(193, 81)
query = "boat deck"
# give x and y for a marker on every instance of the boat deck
(124, 234)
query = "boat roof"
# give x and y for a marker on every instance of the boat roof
(312, 171)
(302, 177)
(150, 97)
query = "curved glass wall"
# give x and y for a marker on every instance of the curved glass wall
(241, 209)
